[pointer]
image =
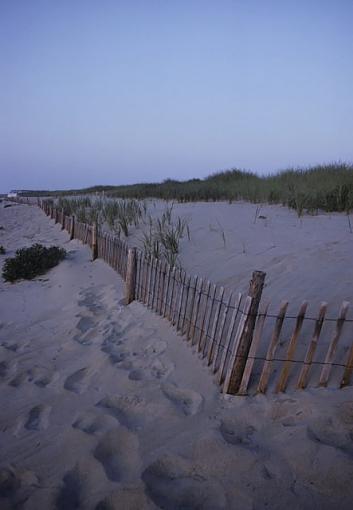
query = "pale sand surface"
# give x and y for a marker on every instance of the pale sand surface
(304, 258)
(104, 406)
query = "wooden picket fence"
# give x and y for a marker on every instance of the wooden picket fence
(248, 348)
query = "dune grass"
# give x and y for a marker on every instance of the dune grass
(324, 187)
(163, 235)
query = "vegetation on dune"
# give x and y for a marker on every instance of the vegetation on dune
(162, 239)
(119, 214)
(325, 187)
(30, 262)
(2, 250)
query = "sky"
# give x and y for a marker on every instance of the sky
(124, 91)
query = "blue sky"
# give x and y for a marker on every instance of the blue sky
(109, 91)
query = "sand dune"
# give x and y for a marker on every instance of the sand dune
(105, 407)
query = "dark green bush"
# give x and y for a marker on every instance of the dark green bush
(30, 262)
(2, 250)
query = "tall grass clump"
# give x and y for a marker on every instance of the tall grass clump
(120, 215)
(162, 240)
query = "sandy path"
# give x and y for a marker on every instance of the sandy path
(104, 406)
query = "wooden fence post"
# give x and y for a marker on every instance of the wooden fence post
(130, 276)
(94, 242)
(72, 229)
(243, 347)
(62, 219)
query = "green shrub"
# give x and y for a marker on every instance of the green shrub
(30, 262)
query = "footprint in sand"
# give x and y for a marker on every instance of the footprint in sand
(345, 413)
(118, 452)
(132, 411)
(236, 431)
(155, 347)
(137, 374)
(96, 424)
(173, 482)
(129, 410)
(38, 418)
(188, 401)
(13, 346)
(89, 301)
(161, 369)
(42, 377)
(39, 376)
(9, 482)
(129, 498)
(118, 356)
(15, 486)
(19, 379)
(330, 432)
(7, 369)
(87, 332)
(77, 485)
(78, 381)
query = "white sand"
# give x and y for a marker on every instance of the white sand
(104, 406)
(308, 258)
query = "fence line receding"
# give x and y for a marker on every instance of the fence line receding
(247, 348)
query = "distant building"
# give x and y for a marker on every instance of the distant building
(13, 193)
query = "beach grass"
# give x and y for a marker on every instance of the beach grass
(327, 187)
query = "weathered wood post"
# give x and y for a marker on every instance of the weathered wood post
(130, 276)
(94, 242)
(72, 228)
(243, 347)
(62, 219)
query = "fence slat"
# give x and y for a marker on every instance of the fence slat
(156, 285)
(150, 290)
(348, 370)
(304, 373)
(170, 311)
(212, 339)
(181, 298)
(255, 291)
(142, 277)
(130, 277)
(167, 289)
(178, 284)
(192, 330)
(266, 370)
(326, 369)
(202, 324)
(153, 281)
(233, 355)
(283, 378)
(189, 306)
(149, 272)
(138, 272)
(161, 287)
(253, 349)
(185, 303)
(208, 320)
(219, 337)
(115, 254)
(229, 337)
